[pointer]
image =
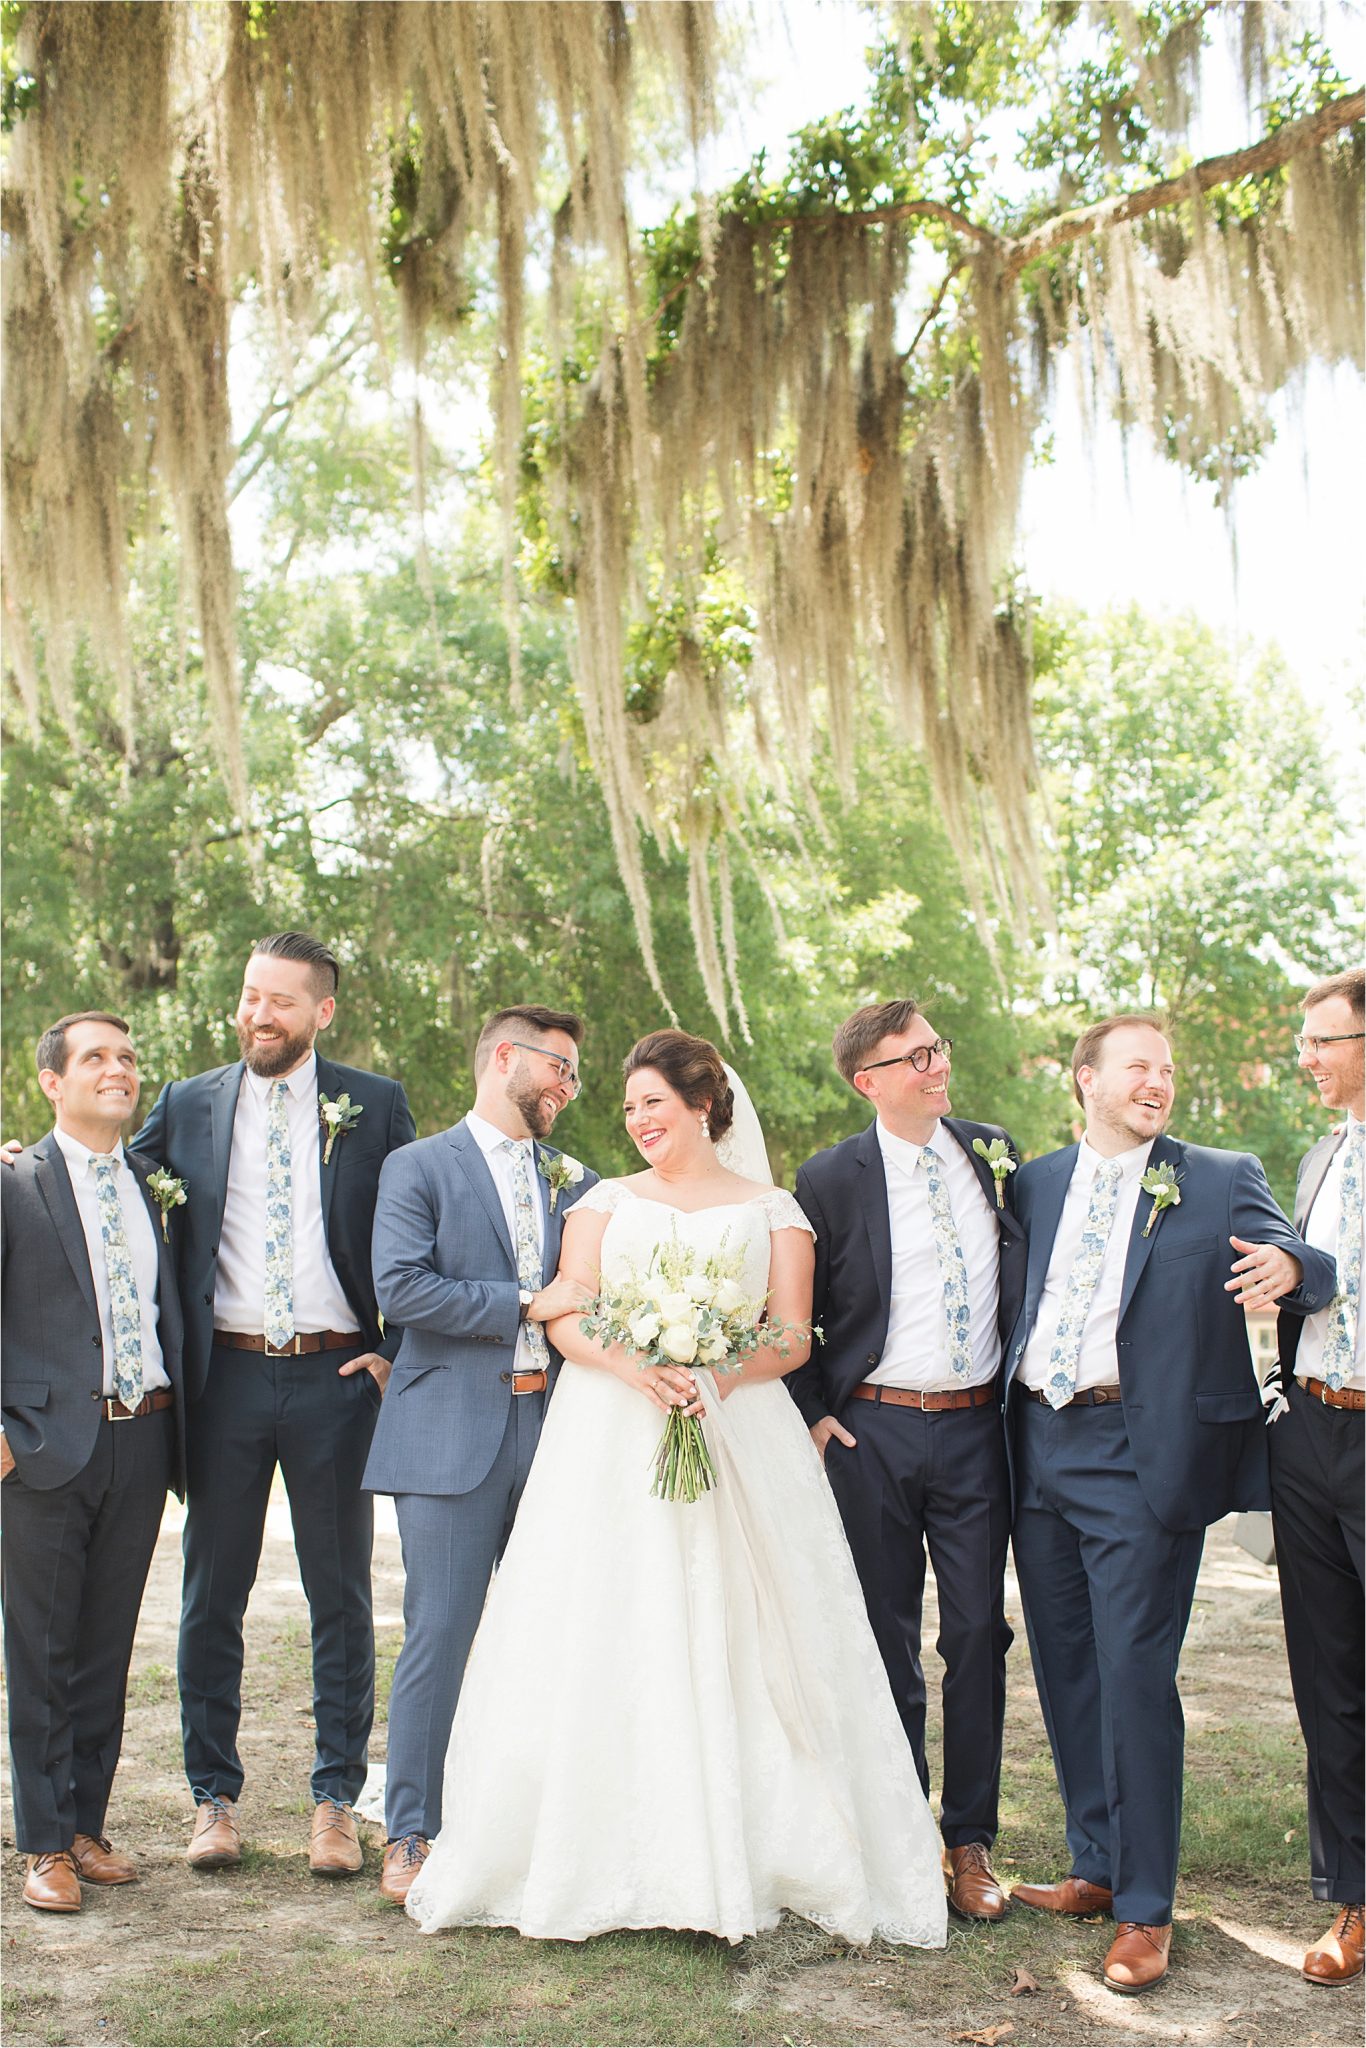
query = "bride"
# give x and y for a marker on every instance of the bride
(674, 1714)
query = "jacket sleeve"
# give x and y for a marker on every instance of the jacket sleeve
(410, 1286)
(1255, 1216)
(150, 1140)
(402, 1131)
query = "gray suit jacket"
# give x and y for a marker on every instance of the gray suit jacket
(54, 1354)
(446, 1271)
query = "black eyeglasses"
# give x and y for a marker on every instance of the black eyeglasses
(918, 1058)
(1307, 1043)
(560, 1064)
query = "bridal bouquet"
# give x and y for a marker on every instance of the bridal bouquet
(683, 1310)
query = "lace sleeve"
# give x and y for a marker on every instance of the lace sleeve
(783, 1212)
(603, 1197)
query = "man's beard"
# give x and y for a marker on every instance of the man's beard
(530, 1100)
(276, 1056)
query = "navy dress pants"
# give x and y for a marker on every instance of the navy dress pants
(1107, 1593)
(298, 1413)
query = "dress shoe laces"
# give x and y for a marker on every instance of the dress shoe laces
(339, 1811)
(222, 1811)
(409, 1850)
(52, 1857)
(1152, 1935)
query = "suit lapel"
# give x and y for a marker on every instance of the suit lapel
(876, 1215)
(329, 1081)
(222, 1110)
(1313, 1174)
(1165, 1152)
(165, 1266)
(481, 1180)
(1045, 1216)
(54, 1185)
(964, 1134)
(550, 1225)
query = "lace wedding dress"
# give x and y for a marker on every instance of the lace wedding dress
(676, 1715)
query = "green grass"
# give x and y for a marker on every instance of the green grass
(153, 1686)
(1245, 1794)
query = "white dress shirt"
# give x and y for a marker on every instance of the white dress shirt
(140, 1231)
(239, 1298)
(916, 1353)
(1098, 1365)
(492, 1142)
(1321, 1230)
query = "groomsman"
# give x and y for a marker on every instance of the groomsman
(93, 1436)
(285, 1365)
(1318, 1480)
(919, 1273)
(467, 1241)
(1136, 1421)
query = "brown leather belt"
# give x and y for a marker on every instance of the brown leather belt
(150, 1404)
(298, 1346)
(1335, 1397)
(529, 1382)
(1091, 1397)
(932, 1404)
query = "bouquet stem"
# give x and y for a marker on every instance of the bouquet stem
(683, 1466)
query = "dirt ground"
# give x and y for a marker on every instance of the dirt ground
(1244, 1915)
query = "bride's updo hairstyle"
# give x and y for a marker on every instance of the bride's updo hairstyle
(694, 1070)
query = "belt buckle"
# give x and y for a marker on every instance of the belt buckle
(110, 1401)
(290, 1350)
(1324, 1391)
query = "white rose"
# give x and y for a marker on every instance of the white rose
(712, 1348)
(680, 1343)
(571, 1169)
(697, 1287)
(644, 1327)
(729, 1296)
(676, 1307)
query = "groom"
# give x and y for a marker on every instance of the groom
(919, 1272)
(467, 1240)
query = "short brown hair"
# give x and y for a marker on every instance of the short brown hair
(693, 1068)
(859, 1036)
(533, 1017)
(1352, 985)
(322, 963)
(53, 1050)
(1086, 1051)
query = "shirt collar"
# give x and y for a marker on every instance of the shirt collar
(79, 1156)
(487, 1136)
(303, 1081)
(901, 1152)
(1131, 1163)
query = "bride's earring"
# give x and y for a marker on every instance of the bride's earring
(705, 1128)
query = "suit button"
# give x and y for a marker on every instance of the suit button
(872, 1358)
(208, 1301)
(94, 1340)
(505, 1377)
(94, 1393)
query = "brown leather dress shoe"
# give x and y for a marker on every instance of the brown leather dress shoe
(1337, 1959)
(216, 1841)
(52, 1884)
(974, 1892)
(1074, 1897)
(99, 1862)
(334, 1846)
(402, 1861)
(1138, 1956)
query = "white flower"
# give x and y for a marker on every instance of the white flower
(729, 1296)
(697, 1287)
(644, 1327)
(713, 1347)
(677, 1307)
(679, 1342)
(571, 1169)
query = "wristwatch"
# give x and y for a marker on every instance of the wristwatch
(525, 1297)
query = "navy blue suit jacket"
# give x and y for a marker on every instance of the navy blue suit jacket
(1192, 1405)
(189, 1130)
(843, 1193)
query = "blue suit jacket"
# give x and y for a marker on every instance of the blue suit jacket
(446, 1270)
(190, 1131)
(1192, 1405)
(843, 1193)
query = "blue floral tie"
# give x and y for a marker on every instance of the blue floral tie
(1082, 1283)
(125, 1311)
(279, 1318)
(528, 1251)
(1340, 1343)
(953, 1271)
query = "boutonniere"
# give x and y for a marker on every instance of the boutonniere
(560, 1172)
(997, 1156)
(1163, 1183)
(168, 1193)
(337, 1115)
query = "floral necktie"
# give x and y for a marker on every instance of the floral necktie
(528, 1250)
(279, 1319)
(953, 1271)
(1082, 1282)
(1340, 1343)
(125, 1311)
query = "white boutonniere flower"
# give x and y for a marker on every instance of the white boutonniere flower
(998, 1159)
(561, 1172)
(1163, 1183)
(337, 1115)
(168, 1192)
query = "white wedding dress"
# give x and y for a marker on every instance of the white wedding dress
(675, 1715)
